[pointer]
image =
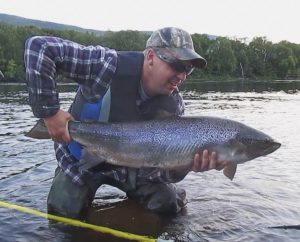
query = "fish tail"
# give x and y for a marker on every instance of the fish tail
(39, 131)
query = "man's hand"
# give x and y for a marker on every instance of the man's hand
(206, 161)
(57, 126)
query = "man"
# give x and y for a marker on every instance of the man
(114, 87)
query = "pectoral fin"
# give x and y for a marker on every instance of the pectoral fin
(230, 171)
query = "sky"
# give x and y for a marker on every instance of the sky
(277, 20)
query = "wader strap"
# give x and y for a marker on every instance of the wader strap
(105, 108)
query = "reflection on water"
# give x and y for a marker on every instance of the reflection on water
(264, 193)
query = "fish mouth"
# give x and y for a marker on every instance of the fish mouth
(263, 148)
(275, 145)
(258, 148)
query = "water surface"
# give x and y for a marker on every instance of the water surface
(264, 193)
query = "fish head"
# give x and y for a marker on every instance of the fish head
(246, 148)
(254, 143)
(257, 148)
(246, 145)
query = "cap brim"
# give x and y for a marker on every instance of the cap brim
(188, 54)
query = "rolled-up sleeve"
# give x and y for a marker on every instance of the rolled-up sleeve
(45, 57)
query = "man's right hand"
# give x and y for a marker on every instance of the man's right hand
(57, 126)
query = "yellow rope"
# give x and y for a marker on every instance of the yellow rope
(78, 223)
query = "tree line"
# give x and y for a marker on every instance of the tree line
(227, 58)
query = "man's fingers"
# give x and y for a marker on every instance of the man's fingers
(61, 136)
(205, 160)
(213, 161)
(66, 138)
(197, 163)
(58, 126)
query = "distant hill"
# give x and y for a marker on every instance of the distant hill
(20, 21)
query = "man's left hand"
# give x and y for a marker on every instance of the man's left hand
(207, 161)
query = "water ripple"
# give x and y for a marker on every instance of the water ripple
(264, 193)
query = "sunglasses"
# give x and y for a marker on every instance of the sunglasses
(177, 65)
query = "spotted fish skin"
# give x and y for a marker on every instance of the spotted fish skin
(168, 143)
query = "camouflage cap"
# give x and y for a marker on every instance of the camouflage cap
(179, 42)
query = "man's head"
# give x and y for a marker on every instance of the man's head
(169, 57)
(178, 42)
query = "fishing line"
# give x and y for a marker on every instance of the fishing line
(78, 223)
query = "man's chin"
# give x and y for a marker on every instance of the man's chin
(168, 92)
(171, 89)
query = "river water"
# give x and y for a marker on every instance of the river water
(264, 193)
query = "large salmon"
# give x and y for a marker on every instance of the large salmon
(169, 143)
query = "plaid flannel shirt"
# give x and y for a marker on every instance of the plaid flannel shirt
(91, 66)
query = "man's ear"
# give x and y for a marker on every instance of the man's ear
(149, 56)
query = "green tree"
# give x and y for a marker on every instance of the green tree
(226, 58)
(240, 49)
(10, 70)
(283, 60)
(125, 40)
(259, 57)
(201, 45)
(221, 58)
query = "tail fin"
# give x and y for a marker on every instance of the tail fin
(39, 131)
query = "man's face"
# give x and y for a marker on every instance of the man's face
(166, 73)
